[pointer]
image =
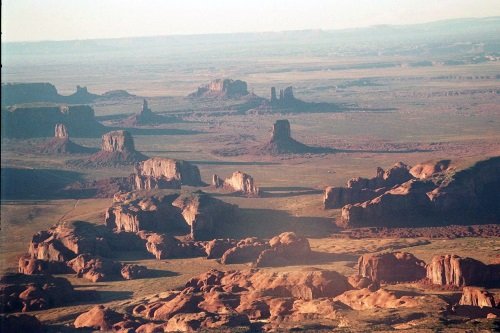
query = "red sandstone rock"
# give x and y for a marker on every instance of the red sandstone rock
(217, 247)
(476, 296)
(246, 250)
(94, 268)
(165, 173)
(117, 148)
(457, 271)
(286, 248)
(222, 88)
(362, 282)
(238, 182)
(99, 318)
(132, 271)
(427, 169)
(391, 267)
(29, 266)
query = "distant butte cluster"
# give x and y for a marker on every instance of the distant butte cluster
(222, 88)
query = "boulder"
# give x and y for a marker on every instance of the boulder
(217, 247)
(239, 182)
(19, 292)
(286, 248)
(166, 173)
(95, 269)
(98, 318)
(391, 267)
(246, 250)
(132, 272)
(476, 296)
(456, 271)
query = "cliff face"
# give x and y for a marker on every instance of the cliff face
(33, 122)
(445, 197)
(238, 182)
(160, 172)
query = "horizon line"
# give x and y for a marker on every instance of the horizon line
(245, 32)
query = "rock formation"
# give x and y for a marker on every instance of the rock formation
(444, 197)
(61, 144)
(146, 117)
(203, 213)
(456, 271)
(196, 212)
(391, 267)
(136, 211)
(475, 296)
(222, 88)
(238, 182)
(282, 142)
(98, 318)
(427, 169)
(364, 189)
(32, 122)
(19, 292)
(164, 173)
(284, 249)
(117, 148)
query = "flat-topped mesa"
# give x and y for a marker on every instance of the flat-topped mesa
(224, 88)
(238, 182)
(117, 141)
(459, 271)
(363, 189)
(161, 173)
(391, 267)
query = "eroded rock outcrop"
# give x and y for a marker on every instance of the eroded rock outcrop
(164, 173)
(95, 268)
(61, 144)
(391, 267)
(117, 148)
(459, 271)
(246, 250)
(363, 189)
(222, 88)
(285, 249)
(238, 182)
(196, 213)
(475, 296)
(98, 318)
(20, 292)
(427, 169)
(446, 197)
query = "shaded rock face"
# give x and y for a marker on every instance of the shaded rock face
(196, 213)
(117, 148)
(163, 246)
(19, 292)
(238, 182)
(32, 122)
(20, 323)
(457, 271)
(222, 88)
(61, 144)
(144, 116)
(284, 249)
(98, 318)
(446, 197)
(363, 189)
(391, 267)
(161, 173)
(475, 296)
(286, 98)
(95, 268)
(203, 213)
(136, 211)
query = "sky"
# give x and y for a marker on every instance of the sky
(36, 20)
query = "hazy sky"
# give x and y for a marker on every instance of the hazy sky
(31, 20)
